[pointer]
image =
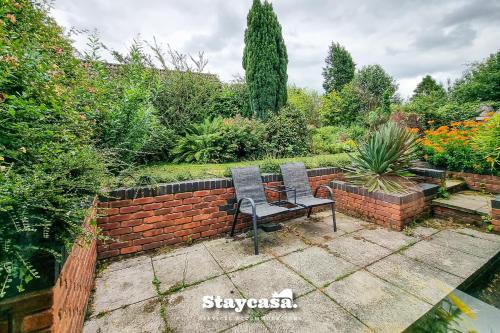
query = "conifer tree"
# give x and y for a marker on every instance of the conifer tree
(265, 61)
(339, 68)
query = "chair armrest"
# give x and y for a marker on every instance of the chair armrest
(252, 203)
(283, 189)
(328, 188)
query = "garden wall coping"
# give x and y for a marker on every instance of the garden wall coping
(423, 190)
(428, 172)
(495, 203)
(197, 185)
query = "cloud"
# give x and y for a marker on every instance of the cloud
(408, 38)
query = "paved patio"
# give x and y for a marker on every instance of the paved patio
(362, 278)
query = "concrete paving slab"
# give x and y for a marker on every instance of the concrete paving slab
(425, 282)
(185, 312)
(350, 224)
(466, 243)
(175, 251)
(315, 313)
(445, 258)
(280, 243)
(187, 268)
(126, 263)
(235, 254)
(378, 304)
(318, 266)
(423, 232)
(262, 280)
(317, 231)
(469, 201)
(249, 326)
(479, 234)
(389, 239)
(139, 317)
(123, 287)
(356, 250)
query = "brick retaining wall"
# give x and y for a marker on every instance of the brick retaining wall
(141, 219)
(393, 211)
(495, 213)
(478, 182)
(59, 309)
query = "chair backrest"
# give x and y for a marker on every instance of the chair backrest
(248, 184)
(295, 176)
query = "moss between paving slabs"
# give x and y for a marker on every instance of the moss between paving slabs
(168, 172)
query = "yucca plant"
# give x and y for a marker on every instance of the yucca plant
(382, 162)
(200, 142)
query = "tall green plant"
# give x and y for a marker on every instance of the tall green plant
(265, 60)
(339, 68)
(382, 162)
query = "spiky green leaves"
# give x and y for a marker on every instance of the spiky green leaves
(382, 162)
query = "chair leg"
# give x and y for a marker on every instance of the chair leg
(333, 217)
(255, 235)
(234, 221)
(309, 210)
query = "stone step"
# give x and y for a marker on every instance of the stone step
(455, 185)
(464, 206)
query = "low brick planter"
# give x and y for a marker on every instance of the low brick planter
(495, 213)
(393, 211)
(478, 182)
(59, 309)
(141, 219)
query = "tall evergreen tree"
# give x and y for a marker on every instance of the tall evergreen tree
(427, 87)
(265, 60)
(339, 69)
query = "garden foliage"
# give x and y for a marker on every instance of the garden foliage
(265, 61)
(339, 68)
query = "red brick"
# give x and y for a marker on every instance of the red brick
(218, 191)
(208, 233)
(190, 225)
(120, 203)
(153, 219)
(131, 249)
(109, 226)
(120, 231)
(163, 211)
(183, 195)
(37, 321)
(153, 232)
(152, 206)
(201, 205)
(102, 220)
(143, 214)
(209, 198)
(201, 217)
(183, 220)
(131, 223)
(143, 227)
(130, 209)
(108, 254)
(182, 208)
(111, 211)
(182, 233)
(201, 193)
(172, 203)
(143, 201)
(162, 198)
(119, 218)
(173, 228)
(192, 212)
(153, 245)
(120, 245)
(193, 200)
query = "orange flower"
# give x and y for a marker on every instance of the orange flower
(11, 18)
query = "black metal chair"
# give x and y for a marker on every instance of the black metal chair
(295, 176)
(251, 198)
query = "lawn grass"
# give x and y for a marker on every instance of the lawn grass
(169, 172)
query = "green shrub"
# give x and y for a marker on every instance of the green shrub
(332, 140)
(342, 108)
(232, 100)
(185, 98)
(49, 169)
(307, 102)
(287, 133)
(383, 161)
(487, 142)
(221, 140)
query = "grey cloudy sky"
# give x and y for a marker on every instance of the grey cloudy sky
(408, 38)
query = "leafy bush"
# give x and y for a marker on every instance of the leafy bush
(307, 102)
(49, 169)
(463, 146)
(186, 97)
(287, 133)
(332, 139)
(342, 108)
(480, 82)
(383, 161)
(232, 100)
(221, 140)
